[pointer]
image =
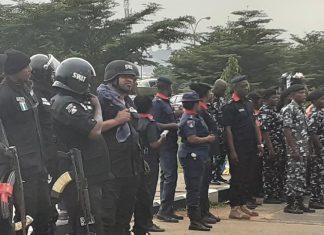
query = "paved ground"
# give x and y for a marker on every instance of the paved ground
(272, 221)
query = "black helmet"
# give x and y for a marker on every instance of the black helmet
(74, 74)
(120, 67)
(43, 67)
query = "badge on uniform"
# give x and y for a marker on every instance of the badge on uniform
(71, 108)
(45, 101)
(194, 156)
(191, 123)
(22, 103)
(241, 110)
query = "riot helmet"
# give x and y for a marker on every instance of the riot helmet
(120, 67)
(74, 74)
(43, 67)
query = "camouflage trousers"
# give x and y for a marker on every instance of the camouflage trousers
(296, 177)
(274, 175)
(317, 177)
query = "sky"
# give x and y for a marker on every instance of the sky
(295, 16)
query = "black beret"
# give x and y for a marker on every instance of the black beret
(268, 93)
(254, 95)
(238, 78)
(295, 88)
(15, 62)
(190, 97)
(200, 88)
(164, 80)
(315, 95)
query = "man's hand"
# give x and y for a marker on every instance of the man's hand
(94, 101)
(260, 150)
(123, 116)
(295, 156)
(234, 158)
(272, 154)
(211, 138)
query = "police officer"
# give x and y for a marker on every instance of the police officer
(296, 136)
(215, 109)
(119, 129)
(150, 141)
(316, 131)
(203, 90)
(19, 113)
(273, 159)
(43, 67)
(193, 155)
(164, 115)
(77, 120)
(243, 145)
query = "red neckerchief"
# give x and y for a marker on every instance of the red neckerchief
(190, 112)
(146, 115)
(203, 105)
(235, 97)
(162, 96)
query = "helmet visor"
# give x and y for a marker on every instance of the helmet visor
(52, 63)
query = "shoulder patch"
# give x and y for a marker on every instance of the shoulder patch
(71, 108)
(191, 123)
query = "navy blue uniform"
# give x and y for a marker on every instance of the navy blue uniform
(192, 158)
(163, 113)
(238, 115)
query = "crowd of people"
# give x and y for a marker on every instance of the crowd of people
(47, 107)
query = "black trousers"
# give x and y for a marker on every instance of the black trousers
(5, 227)
(205, 181)
(37, 202)
(119, 202)
(242, 178)
(143, 213)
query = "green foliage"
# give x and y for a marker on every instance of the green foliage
(259, 51)
(307, 56)
(232, 69)
(87, 29)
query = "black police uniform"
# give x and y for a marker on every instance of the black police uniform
(19, 112)
(127, 165)
(238, 114)
(192, 158)
(163, 113)
(73, 121)
(143, 213)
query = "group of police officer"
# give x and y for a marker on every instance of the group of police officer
(47, 107)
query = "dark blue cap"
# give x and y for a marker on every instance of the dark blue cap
(164, 80)
(238, 78)
(190, 97)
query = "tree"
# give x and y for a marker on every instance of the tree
(258, 49)
(85, 28)
(307, 56)
(231, 69)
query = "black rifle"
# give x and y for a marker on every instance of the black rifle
(18, 179)
(82, 188)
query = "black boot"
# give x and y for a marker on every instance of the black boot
(302, 207)
(196, 225)
(292, 207)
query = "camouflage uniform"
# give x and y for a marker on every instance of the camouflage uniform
(215, 109)
(316, 126)
(273, 169)
(295, 120)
